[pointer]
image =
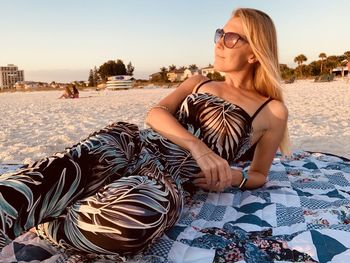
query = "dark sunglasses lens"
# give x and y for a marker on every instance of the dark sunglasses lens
(231, 39)
(218, 35)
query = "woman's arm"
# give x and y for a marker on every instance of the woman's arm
(164, 122)
(264, 153)
(267, 146)
(215, 168)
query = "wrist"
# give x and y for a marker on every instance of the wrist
(236, 176)
(195, 145)
(244, 179)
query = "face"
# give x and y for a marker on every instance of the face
(239, 57)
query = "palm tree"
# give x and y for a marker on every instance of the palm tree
(299, 60)
(192, 67)
(163, 72)
(322, 56)
(172, 67)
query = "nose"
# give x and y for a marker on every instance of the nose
(220, 43)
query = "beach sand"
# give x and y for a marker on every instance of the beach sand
(36, 124)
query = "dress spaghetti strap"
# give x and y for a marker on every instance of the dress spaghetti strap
(261, 107)
(195, 90)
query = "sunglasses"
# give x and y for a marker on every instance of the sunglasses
(230, 38)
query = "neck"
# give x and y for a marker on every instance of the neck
(239, 81)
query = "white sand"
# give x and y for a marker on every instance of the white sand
(36, 124)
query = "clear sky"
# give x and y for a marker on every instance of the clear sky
(61, 40)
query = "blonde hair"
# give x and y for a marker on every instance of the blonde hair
(260, 32)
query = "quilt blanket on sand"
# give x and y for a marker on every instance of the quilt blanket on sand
(302, 214)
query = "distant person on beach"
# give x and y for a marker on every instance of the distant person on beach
(121, 188)
(67, 94)
(75, 92)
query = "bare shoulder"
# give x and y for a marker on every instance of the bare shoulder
(198, 78)
(278, 110)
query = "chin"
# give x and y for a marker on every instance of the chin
(218, 66)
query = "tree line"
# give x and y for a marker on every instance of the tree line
(162, 76)
(323, 66)
(108, 69)
(316, 68)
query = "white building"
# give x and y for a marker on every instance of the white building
(189, 73)
(175, 75)
(9, 75)
(341, 71)
(182, 74)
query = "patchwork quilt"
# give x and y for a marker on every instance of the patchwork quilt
(302, 214)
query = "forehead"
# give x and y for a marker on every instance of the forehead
(234, 24)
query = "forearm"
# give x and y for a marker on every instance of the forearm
(168, 126)
(255, 180)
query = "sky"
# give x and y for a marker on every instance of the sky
(62, 40)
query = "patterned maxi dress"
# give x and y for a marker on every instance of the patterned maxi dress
(121, 188)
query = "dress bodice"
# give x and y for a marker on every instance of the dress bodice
(225, 127)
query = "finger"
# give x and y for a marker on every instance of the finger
(223, 177)
(203, 186)
(207, 173)
(214, 175)
(199, 181)
(209, 167)
(216, 188)
(207, 176)
(229, 175)
(199, 175)
(205, 169)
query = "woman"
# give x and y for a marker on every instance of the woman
(121, 188)
(75, 92)
(67, 94)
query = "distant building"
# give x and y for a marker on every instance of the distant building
(189, 73)
(340, 71)
(30, 85)
(182, 74)
(9, 75)
(155, 76)
(175, 75)
(205, 71)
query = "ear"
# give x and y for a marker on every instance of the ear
(252, 59)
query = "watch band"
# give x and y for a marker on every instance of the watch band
(244, 179)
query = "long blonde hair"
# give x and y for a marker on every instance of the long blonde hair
(260, 32)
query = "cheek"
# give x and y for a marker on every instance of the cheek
(237, 56)
(230, 60)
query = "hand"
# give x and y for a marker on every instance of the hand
(200, 181)
(215, 170)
